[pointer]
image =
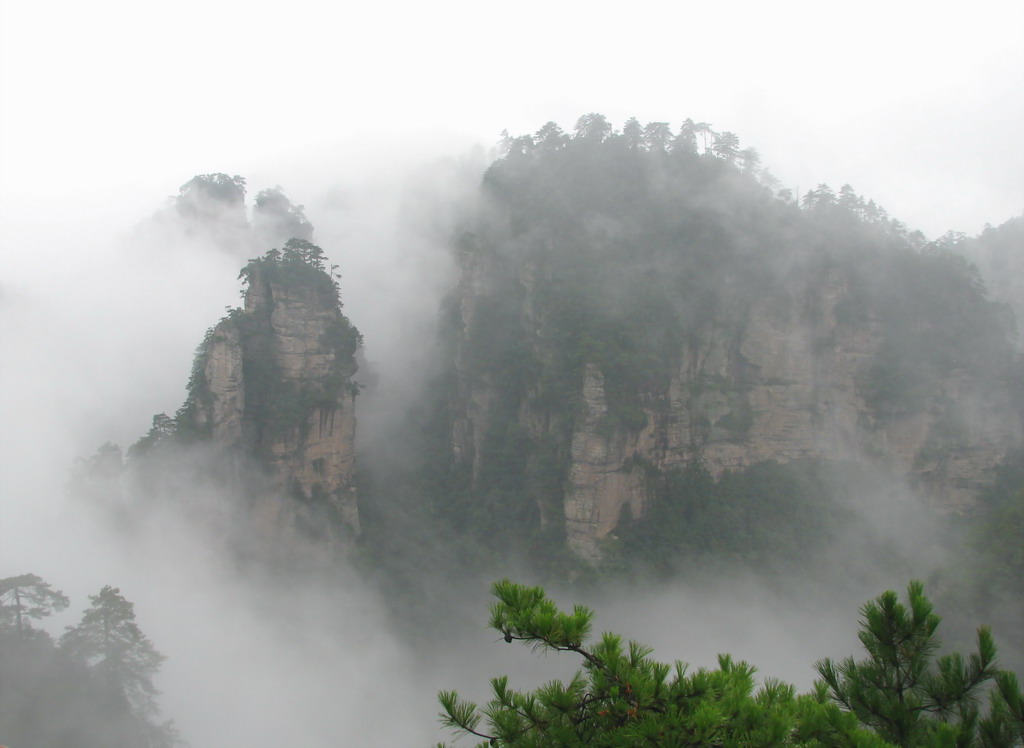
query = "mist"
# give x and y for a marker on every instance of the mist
(381, 123)
(102, 339)
(96, 343)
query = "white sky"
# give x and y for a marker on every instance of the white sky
(919, 105)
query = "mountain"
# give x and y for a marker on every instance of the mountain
(263, 451)
(630, 306)
(273, 380)
(627, 308)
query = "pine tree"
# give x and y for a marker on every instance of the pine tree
(686, 140)
(1005, 724)
(900, 696)
(633, 134)
(727, 146)
(108, 639)
(901, 690)
(27, 597)
(550, 137)
(621, 697)
(657, 136)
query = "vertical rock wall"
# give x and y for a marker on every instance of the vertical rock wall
(278, 387)
(785, 382)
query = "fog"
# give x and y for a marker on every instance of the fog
(98, 342)
(914, 104)
(380, 122)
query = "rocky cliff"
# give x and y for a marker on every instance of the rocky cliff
(273, 381)
(607, 332)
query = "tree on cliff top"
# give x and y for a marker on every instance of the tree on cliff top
(303, 252)
(205, 195)
(276, 219)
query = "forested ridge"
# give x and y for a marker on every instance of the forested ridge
(638, 252)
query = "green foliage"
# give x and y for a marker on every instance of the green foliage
(901, 690)
(995, 539)
(769, 518)
(634, 252)
(275, 406)
(217, 186)
(299, 264)
(901, 695)
(164, 427)
(624, 264)
(602, 258)
(1004, 726)
(935, 318)
(50, 699)
(189, 425)
(621, 697)
(986, 574)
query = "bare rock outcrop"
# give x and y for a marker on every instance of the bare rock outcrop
(602, 479)
(275, 384)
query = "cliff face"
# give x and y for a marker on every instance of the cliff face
(601, 481)
(788, 380)
(621, 314)
(274, 381)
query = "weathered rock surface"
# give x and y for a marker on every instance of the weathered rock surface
(225, 381)
(785, 383)
(277, 385)
(601, 482)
